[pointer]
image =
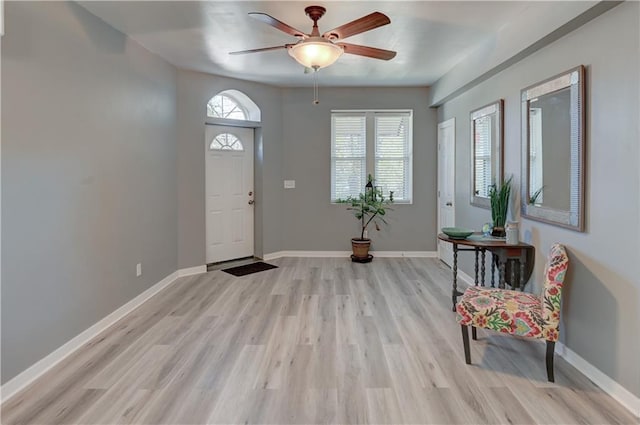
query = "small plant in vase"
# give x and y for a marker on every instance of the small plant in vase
(499, 205)
(369, 207)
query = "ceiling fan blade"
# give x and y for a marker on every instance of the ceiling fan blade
(270, 20)
(263, 49)
(370, 52)
(366, 23)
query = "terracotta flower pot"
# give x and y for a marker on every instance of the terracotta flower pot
(360, 247)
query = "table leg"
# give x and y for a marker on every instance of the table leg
(502, 270)
(512, 281)
(482, 265)
(476, 269)
(454, 293)
(493, 270)
(522, 261)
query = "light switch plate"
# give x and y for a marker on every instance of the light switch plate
(289, 184)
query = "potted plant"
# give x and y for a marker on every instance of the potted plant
(368, 207)
(499, 205)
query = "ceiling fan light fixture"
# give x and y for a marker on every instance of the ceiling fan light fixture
(315, 52)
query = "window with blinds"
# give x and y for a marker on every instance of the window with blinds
(483, 165)
(348, 155)
(371, 142)
(393, 160)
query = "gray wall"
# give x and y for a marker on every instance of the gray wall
(88, 175)
(294, 143)
(600, 316)
(194, 91)
(312, 222)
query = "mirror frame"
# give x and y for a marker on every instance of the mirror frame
(498, 108)
(573, 218)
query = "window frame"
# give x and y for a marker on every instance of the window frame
(230, 146)
(370, 146)
(238, 105)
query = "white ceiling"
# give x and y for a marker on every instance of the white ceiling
(431, 37)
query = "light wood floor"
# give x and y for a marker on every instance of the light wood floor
(314, 341)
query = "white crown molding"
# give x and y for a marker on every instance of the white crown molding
(19, 382)
(346, 254)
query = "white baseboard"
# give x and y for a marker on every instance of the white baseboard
(345, 254)
(191, 271)
(608, 385)
(319, 254)
(13, 386)
(465, 278)
(406, 254)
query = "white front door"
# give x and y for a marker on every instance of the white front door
(229, 192)
(446, 184)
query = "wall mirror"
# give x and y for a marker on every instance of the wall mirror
(553, 150)
(486, 151)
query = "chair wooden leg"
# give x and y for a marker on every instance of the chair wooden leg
(474, 335)
(465, 342)
(550, 350)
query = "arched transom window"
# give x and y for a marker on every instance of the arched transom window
(221, 106)
(226, 142)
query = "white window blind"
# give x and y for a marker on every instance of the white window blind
(483, 142)
(348, 155)
(393, 155)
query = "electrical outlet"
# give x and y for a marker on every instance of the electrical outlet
(138, 269)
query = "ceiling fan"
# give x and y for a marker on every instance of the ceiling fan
(318, 51)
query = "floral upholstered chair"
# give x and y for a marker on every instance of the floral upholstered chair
(515, 312)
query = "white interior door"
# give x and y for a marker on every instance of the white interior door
(446, 184)
(229, 192)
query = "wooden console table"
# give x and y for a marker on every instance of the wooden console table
(514, 262)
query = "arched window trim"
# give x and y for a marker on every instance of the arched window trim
(225, 101)
(252, 111)
(226, 142)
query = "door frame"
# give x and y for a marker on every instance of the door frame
(451, 122)
(249, 125)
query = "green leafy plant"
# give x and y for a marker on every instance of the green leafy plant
(500, 202)
(369, 207)
(534, 198)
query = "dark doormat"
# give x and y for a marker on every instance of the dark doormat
(250, 268)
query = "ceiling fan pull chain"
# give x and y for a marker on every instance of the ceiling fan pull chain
(315, 87)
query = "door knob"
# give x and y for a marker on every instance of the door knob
(250, 193)
(449, 204)
(251, 202)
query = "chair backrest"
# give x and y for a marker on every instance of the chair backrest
(555, 270)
